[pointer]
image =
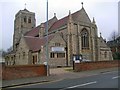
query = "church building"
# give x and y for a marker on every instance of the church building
(71, 35)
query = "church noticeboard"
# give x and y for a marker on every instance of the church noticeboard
(60, 49)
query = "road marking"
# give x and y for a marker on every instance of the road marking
(107, 72)
(115, 77)
(83, 84)
(79, 85)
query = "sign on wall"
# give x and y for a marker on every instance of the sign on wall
(54, 49)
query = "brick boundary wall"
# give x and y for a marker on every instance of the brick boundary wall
(22, 71)
(83, 66)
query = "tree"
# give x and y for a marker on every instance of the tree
(10, 49)
(2, 53)
(113, 35)
(116, 56)
(114, 44)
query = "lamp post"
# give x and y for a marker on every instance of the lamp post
(47, 54)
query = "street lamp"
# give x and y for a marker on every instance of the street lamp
(47, 54)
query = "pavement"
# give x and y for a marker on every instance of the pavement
(55, 75)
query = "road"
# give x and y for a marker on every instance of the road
(103, 80)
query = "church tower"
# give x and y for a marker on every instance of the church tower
(24, 22)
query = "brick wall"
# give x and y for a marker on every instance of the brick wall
(95, 65)
(23, 71)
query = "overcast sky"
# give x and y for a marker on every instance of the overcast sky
(104, 11)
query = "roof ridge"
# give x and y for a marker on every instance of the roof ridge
(66, 17)
(49, 20)
(38, 42)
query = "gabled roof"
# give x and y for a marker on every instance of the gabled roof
(35, 43)
(80, 15)
(59, 23)
(102, 42)
(25, 10)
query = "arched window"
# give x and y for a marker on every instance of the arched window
(105, 54)
(25, 19)
(34, 59)
(85, 39)
(23, 55)
(29, 20)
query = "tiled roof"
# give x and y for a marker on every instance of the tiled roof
(35, 43)
(34, 32)
(81, 14)
(62, 21)
(59, 23)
